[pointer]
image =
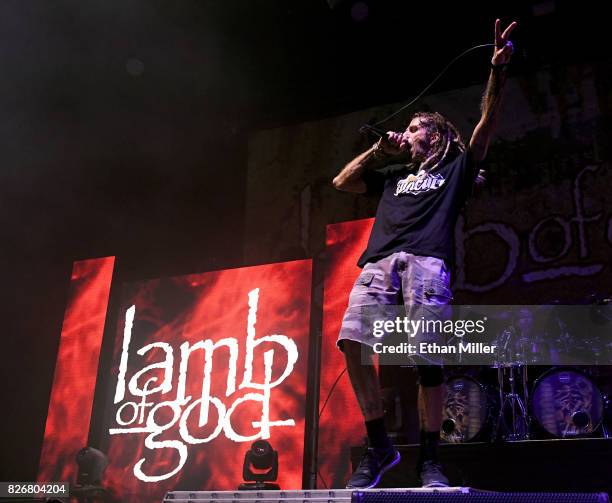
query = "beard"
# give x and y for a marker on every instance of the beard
(418, 152)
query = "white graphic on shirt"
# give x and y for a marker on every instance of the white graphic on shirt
(421, 182)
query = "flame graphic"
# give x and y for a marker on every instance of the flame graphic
(212, 306)
(76, 369)
(340, 425)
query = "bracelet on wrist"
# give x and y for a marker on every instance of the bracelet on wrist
(378, 151)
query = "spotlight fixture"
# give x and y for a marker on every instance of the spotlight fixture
(260, 466)
(88, 487)
(92, 464)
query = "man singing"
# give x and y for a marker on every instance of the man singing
(408, 255)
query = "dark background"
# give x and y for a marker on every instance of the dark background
(124, 129)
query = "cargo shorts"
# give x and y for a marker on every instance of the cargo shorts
(415, 285)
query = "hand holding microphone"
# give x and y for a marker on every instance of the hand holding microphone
(389, 142)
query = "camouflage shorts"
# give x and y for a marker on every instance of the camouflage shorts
(418, 285)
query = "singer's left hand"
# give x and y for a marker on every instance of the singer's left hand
(503, 46)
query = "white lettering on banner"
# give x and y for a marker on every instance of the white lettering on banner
(167, 365)
(288, 344)
(127, 337)
(501, 231)
(510, 237)
(135, 413)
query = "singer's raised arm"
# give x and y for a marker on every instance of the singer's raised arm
(491, 100)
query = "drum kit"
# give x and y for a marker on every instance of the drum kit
(537, 387)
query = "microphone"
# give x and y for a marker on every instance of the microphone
(373, 130)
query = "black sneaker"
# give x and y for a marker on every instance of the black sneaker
(373, 464)
(432, 476)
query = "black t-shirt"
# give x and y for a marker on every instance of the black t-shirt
(417, 212)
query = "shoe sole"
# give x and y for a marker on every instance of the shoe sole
(435, 484)
(383, 470)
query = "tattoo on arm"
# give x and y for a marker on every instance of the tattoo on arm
(492, 93)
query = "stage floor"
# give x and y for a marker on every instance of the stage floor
(398, 495)
(296, 496)
(582, 465)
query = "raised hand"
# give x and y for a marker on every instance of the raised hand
(503, 47)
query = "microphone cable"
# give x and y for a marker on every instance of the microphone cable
(401, 109)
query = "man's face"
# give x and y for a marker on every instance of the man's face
(420, 141)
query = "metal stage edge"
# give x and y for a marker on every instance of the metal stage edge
(463, 494)
(302, 496)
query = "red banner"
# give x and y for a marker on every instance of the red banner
(76, 369)
(341, 424)
(204, 365)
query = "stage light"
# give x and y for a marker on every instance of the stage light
(88, 487)
(260, 466)
(92, 464)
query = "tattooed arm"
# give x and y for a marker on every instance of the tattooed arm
(491, 100)
(350, 178)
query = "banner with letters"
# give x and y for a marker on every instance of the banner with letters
(202, 366)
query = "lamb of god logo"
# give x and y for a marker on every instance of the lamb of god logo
(140, 416)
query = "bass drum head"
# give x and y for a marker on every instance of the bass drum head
(466, 409)
(566, 403)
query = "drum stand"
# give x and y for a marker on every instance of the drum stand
(512, 401)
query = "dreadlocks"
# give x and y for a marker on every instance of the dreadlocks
(450, 138)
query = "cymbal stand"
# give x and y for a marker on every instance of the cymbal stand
(512, 401)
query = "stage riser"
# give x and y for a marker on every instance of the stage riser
(298, 496)
(407, 495)
(577, 465)
(479, 497)
(545, 468)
